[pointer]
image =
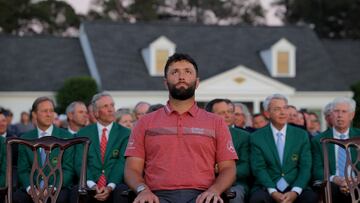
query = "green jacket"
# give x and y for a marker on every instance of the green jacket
(114, 162)
(2, 161)
(26, 158)
(241, 143)
(317, 154)
(265, 161)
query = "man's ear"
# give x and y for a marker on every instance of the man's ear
(197, 82)
(33, 114)
(165, 84)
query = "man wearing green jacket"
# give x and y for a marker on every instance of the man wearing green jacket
(280, 158)
(43, 113)
(225, 109)
(3, 127)
(106, 153)
(342, 112)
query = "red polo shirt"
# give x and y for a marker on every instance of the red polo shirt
(180, 151)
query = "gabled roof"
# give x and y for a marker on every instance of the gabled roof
(39, 63)
(117, 51)
(346, 56)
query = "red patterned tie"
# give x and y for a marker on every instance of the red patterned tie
(102, 180)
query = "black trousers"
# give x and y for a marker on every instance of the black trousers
(116, 196)
(338, 196)
(177, 196)
(263, 196)
(21, 196)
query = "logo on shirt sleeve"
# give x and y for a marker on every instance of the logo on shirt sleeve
(131, 144)
(230, 146)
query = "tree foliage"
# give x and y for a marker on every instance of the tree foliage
(43, 17)
(329, 18)
(356, 90)
(75, 89)
(222, 12)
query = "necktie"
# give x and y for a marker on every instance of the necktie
(42, 151)
(102, 180)
(341, 159)
(42, 156)
(280, 143)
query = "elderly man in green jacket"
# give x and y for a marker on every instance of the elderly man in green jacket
(106, 153)
(342, 112)
(280, 158)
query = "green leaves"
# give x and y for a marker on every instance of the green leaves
(356, 89)
(75, 89)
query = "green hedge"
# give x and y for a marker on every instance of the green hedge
(75, 89)
(356, 89)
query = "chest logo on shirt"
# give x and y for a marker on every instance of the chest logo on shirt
(230, 146)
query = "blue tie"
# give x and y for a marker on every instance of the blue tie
(42, 151)
(280, 143)
(341, 159)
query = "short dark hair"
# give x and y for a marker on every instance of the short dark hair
(210, 105)
(179, 57)
(40, 100)
(258, 115)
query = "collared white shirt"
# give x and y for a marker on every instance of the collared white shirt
(100, 129)
(274, 130)
(4, 134)
(91, 183)
(336, 135)
(48, 131)
(71, 131)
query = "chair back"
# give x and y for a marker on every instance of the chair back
(46, 177)
(352, 175)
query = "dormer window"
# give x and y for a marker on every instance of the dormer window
(161, 56)
(283, 63)
(279, 59)
(156, 55)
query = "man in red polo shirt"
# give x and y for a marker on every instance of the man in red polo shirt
(172, 152)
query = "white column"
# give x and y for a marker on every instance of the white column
(256, 105)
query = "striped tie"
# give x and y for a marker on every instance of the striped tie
(102, 180)
(341, 159)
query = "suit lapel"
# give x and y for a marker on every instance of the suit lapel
(96, 143)
(352, 134)
(271, 142)
(331, 152)
(34, 135)
(289, 142)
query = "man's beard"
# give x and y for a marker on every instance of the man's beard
(182, 93)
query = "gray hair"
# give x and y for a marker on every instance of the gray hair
(97, 97)
(139, 104)
(121, 112)
(268, 99)
(71, 107)
(344, 100)
(246, 112)
(328, 109)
